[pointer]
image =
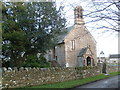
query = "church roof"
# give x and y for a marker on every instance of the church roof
(82, 52)
(61, 37)
(114, 56)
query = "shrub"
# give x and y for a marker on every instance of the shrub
(33, 61)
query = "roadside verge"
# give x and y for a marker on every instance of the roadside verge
(75, 83)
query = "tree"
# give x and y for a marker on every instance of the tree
(14, 38)
(105, 14)
(99, 15)
(29, 28)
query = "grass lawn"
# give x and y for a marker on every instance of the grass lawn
(73, 83)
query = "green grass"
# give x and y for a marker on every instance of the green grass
(73, 83)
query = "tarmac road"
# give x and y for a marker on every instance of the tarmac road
(0, 78)
(112, 82)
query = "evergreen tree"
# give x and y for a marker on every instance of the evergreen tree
(29, 28)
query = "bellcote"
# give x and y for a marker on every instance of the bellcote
(78, 15)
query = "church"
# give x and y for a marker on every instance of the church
(76, 48)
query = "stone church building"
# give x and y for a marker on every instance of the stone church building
(77, 48)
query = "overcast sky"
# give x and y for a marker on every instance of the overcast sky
(106, 42)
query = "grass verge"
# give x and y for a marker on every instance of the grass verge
(73, 83)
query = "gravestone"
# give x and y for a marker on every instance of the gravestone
(104, 68)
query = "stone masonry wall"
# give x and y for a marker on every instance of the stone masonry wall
(112, 69)
(82, 39)
(14, 77)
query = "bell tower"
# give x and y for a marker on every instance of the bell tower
(78, 15)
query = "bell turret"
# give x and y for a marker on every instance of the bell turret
(78, 15)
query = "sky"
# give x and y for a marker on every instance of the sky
(106, 42)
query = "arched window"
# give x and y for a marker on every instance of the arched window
(79, 13)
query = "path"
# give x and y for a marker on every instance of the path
(112, 82)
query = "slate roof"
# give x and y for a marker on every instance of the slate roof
(62, 37)
(114, 56)
(82, 52)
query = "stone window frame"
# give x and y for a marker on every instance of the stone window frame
(72, 44)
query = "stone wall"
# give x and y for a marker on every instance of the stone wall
(37, 76)
(82, 39)
(112, 69)
(14, 77)
(60, 55)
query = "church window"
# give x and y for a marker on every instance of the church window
(73, 44)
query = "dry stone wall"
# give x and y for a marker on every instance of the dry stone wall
(13, 77)
(112, 69)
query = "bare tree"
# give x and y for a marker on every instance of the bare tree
(99, 14)
(106, 13)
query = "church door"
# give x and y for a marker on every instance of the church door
(88, 61)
